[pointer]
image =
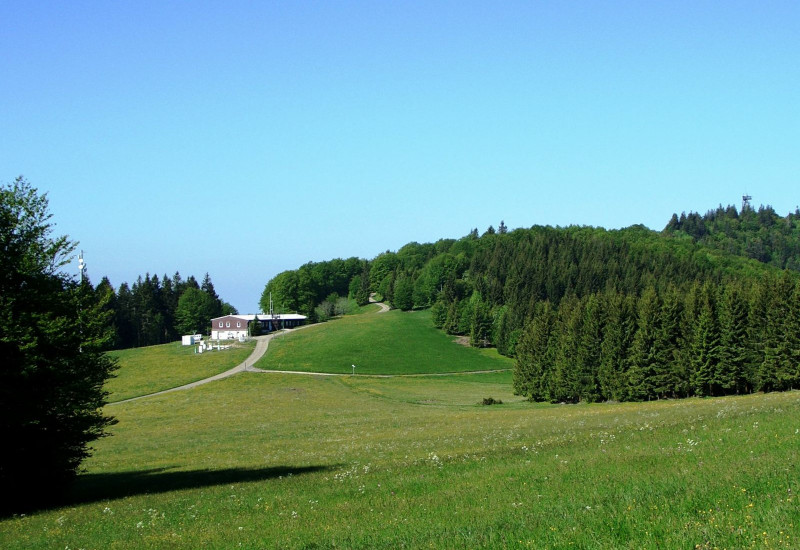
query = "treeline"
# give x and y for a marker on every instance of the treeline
(592, 314)
(318, 289)
(159, 310)
(487, 286)
(507, 275)
(696, 340)
(759, 234)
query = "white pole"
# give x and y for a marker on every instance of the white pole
(81, 265)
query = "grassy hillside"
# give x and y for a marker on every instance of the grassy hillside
(293, 461)
(389, 343)
(297, 461)
(155, 368)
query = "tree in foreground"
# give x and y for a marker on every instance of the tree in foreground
(52, 332)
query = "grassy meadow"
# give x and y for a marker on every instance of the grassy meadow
(155, 368)
(389, 343)
(264, 460)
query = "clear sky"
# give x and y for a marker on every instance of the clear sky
(246, 138)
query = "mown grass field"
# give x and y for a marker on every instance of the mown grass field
(395, 343)
(300, 461)
(155, 368)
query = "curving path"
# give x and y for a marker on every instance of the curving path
(262, 344)
(384, 307)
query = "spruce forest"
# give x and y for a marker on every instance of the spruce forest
(157, 311)
(709, 306)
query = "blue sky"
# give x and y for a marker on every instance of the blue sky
(246, 138)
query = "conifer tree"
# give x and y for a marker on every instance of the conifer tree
(705, 363)
(452, 320)
(481, 322)
(793, 334)
(533, 365)
(734, 342)
(590, 348)
(439, 314)
(254, 326)
(644, 358)
(53, 366)
(104, 294)
(758, 306)
(465, 309)
(618, 334)
(670, 373)
(124, 317)
(565, 383)
(501, 326)
(779, 369)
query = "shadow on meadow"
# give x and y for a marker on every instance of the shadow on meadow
(88, 488)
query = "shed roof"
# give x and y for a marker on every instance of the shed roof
(265, 316)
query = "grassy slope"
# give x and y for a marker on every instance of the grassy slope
(155, 368)
(388, 343)
(276, 460)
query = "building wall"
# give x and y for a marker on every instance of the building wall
(232, 326)
(229, 327)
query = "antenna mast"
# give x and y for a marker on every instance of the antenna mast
(81, 265)
(746, 201)
(82, 271)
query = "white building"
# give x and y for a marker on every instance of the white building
(231, 327)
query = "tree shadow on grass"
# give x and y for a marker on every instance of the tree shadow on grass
(88, 488)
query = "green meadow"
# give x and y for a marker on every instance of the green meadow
(389, 343)
(155, 368)
(276, 460)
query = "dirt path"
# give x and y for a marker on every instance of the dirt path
(262, 344)
(417, 375)
(383, 306)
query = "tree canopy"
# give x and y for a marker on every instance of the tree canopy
(52, 333)
(701, 308)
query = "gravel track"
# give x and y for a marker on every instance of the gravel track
(262, 344)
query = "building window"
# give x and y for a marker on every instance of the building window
(238, 324)
(220, 324)
(227, 324)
